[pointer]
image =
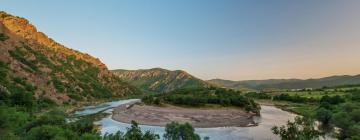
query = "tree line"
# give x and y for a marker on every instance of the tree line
(197, 97)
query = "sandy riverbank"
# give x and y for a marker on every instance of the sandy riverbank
(197, 117)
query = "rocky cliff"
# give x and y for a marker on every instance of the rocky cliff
(32, 63)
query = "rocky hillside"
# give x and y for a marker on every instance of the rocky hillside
(160, 80)
(32, 63)
(289, 83)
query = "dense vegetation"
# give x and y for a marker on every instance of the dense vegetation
(301, 129)
(198, 97)
(333, 106)
(295, 98)
(289, 83)
(176, 131)
(22, 116)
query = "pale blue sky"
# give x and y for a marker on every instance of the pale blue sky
(230, 39)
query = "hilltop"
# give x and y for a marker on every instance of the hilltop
(160, 80)
(33, 64)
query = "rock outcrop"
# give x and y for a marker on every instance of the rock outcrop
(32, 63)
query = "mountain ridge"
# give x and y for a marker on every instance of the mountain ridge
(293, 83)
(160, 80)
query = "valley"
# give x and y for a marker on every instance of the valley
(51, 92)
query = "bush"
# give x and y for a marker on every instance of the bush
(332, 100)
(324, 116)
(176, 131)
(48, 132)
(295, 99)
(300, 129)
(3, 37)
(18, 55)
(23, 99)
(202, 96)
(258, 95)
(84, 126)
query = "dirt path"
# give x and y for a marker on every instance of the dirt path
(200, 118)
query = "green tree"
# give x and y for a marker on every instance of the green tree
(117, 136)
(301, 129)
(23, 99)
(83, 126)
(176, 131)
(89, 136)
(323, 115)
(49, 132)
(134, 133)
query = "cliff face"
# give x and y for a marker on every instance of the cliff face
(22, 28)
(32, 63)
(160, 80)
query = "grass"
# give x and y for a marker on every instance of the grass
(304, 109)
(313, 94)
(297, 108)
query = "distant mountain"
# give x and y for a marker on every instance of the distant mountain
(31, 63)
(289, 83)
(160, 80)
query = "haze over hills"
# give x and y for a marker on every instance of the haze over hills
(160, 80)
(289, 83)
(32, 63)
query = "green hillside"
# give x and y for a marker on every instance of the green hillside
(37, 66)
(289, 83)
(160, 80)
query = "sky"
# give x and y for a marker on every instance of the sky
(227, 39)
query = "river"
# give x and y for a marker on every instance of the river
(270, 116)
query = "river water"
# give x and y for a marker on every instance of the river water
(270, 116)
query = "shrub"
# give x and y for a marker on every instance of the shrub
(176, 131)
(3, 37)
(300, 129)
(18, 55)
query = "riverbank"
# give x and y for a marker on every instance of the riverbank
(197, 117)
(296, 108)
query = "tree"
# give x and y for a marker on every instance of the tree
(89, 136)
(22, 98)
(176, 131)
(48, 132)
(324, 116)
(134, 133)
(356, 137)
(54, 117)
(117, 136)
(301, 129)
(83, 126)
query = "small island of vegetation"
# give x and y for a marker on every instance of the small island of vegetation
(202, 97)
